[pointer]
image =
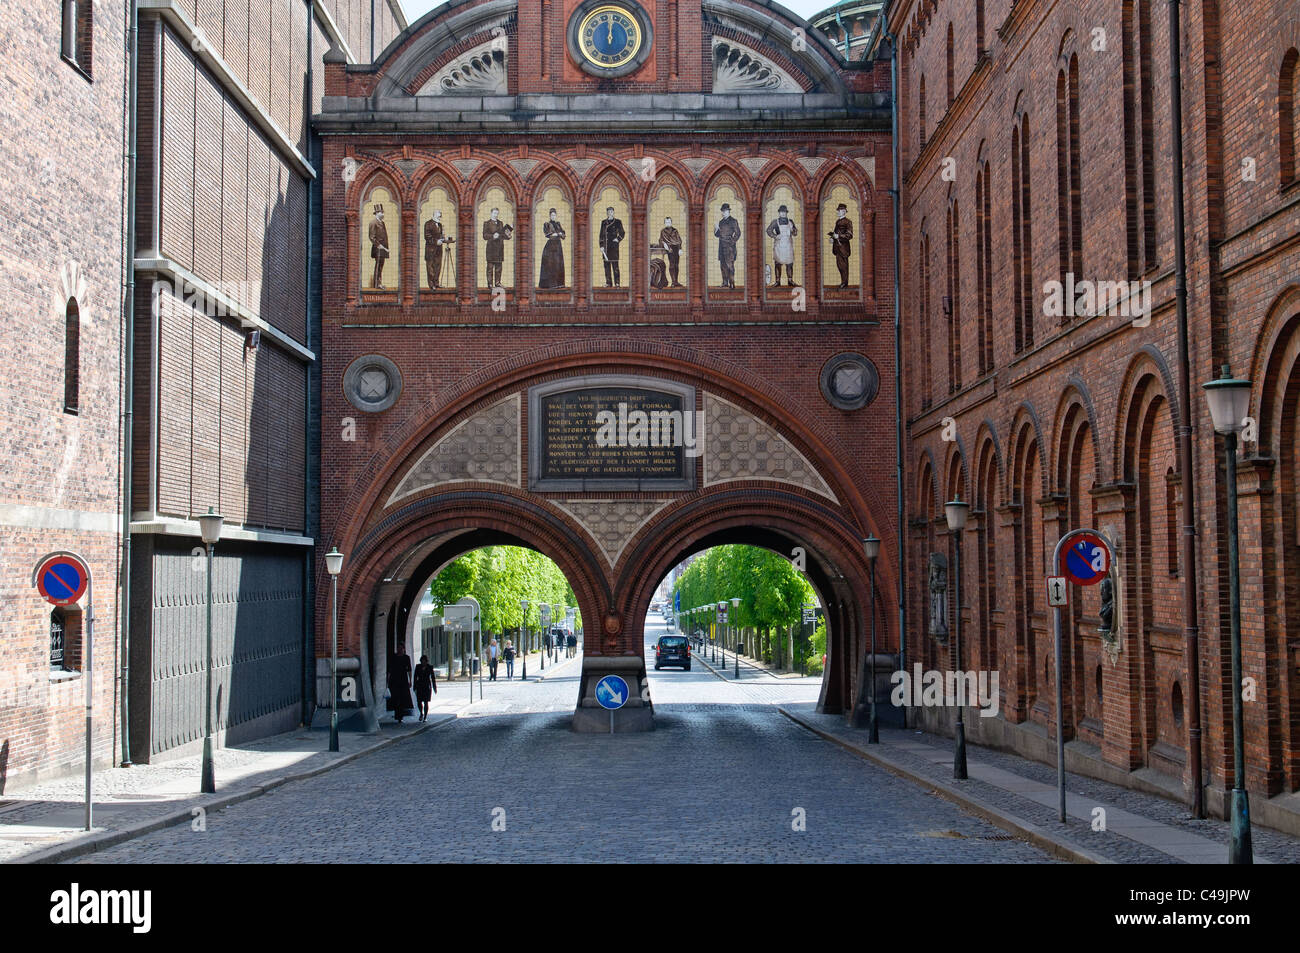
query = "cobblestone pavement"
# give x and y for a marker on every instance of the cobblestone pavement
(724, 777)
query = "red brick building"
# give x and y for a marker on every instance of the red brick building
(438, 365)
(61, 274)
(1036, 147)
(222, 195)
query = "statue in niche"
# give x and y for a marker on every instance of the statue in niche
(939, 597)
(552, 274)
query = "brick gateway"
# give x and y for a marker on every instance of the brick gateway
(431, 347)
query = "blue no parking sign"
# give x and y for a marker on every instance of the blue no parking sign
(612, 692)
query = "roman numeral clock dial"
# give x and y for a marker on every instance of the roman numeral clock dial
(609, 39)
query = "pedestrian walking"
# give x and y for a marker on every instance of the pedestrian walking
(494, 655)
(426, 685)
(399, 683)
(573, 644)
(508, 654)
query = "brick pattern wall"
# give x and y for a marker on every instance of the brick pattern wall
(63, 211)
(1124, 374)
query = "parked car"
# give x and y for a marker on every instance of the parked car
(672, 650)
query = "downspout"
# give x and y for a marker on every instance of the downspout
(897, 197)
(1191, 620)
(308, 688)
(128, 370)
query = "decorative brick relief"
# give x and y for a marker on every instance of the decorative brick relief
(483, 449)
(739, 446)
(612, 523)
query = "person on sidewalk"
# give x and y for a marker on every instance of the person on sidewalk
(508, 654)
(494, 655)
(572, 642)
(399, 683)
(426, 685)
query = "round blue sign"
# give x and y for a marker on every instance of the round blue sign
(1087, 560)
(612, 692)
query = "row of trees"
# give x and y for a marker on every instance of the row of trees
(499, 577)
(772, 592)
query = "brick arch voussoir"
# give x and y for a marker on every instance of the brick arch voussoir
(1277, 350)
(544, 175)
(1075, 399)
(372, 550)
(1148, 363)
(375, 170)
(510, 374)
(986, 442)
(658, 546)
(1026, 416)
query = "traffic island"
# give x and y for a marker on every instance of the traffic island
(614, 696)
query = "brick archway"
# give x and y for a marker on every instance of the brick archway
(417, 510)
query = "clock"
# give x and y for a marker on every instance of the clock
(610, 37)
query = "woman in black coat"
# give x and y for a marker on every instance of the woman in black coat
(426, 685)
(399, 683)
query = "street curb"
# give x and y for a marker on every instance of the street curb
(1007, 821)
(98, 842)
(576, 658)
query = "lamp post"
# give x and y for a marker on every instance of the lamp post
(210, 530)
(523, 637)
(1229, 400)
(956, 511)
(731, 622)
(866, 706)
(333, 563)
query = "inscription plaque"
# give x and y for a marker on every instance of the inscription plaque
(612, 433)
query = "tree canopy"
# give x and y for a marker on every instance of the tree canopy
(771, 591)
(499, 577)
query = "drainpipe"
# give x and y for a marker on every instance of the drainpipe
(1191, 621)
(897, 197)
(128, 370)
(308, 687)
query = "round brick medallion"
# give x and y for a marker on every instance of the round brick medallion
(372, 383)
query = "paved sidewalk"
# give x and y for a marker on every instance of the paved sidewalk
(1020, 796)
(749, 668)
(44, 823)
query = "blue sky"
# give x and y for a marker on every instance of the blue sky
(418, 8)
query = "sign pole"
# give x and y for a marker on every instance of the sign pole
(90, 644)
(1102, 552)
(62, 578)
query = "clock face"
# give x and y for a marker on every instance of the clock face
(609, 36)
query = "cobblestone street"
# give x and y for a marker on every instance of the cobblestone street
(722, 778)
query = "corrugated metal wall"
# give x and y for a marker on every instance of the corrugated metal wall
(257, 639)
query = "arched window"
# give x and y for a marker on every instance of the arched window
(1068, 177)
(952, 300)
(1022, 235)
(1288, 114)
(984, 266)
(78, 32)
(952, 79)
(72, 358)
(920, 113)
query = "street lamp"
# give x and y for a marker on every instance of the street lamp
(333, 563)
(735, 604)
(210, 530)
(1229, 400)
(956, 510)
(871, 547)
(523, 637)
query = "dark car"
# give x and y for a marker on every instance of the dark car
(673, 650)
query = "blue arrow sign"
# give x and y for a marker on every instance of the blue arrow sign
(612, 692)
(677, 601)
